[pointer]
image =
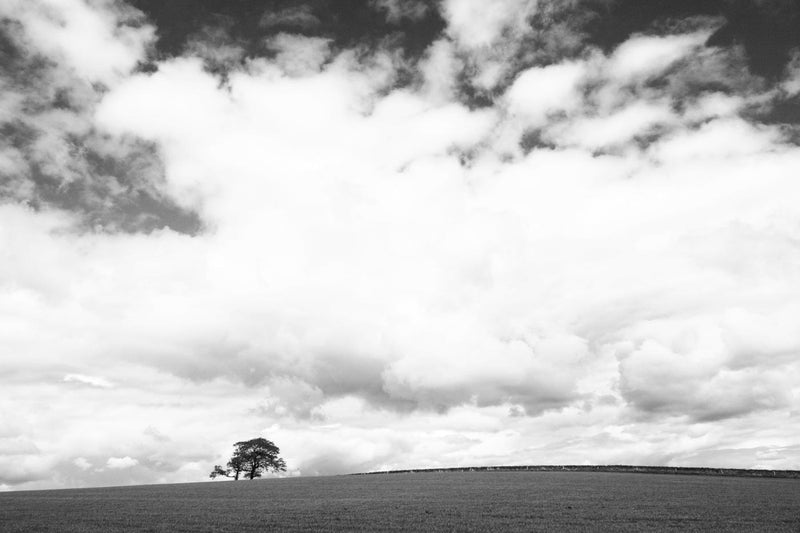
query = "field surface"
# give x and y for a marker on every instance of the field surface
(431, 501)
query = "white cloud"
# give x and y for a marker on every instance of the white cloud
(489, 38)
(714, 105)
(618, 127)
(476, 24)
(644, 56)
(96, 42)
(88, 380)
(440, 69)
(538, 92)
(731, 137)
(120, 463)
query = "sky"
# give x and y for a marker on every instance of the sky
(393, 234)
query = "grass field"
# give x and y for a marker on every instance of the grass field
(432, 501)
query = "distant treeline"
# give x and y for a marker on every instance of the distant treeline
(691, 471)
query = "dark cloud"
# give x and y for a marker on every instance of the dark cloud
(534, 139)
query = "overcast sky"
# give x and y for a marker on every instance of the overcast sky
(391, 234)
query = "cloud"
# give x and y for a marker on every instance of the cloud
(453, 357)
(99, 45)
(539, 92)
(82, 463)
(537, 374)
(488, 39)
(732, 137)
(52, 156)
(643, 57)
(792, 82)
(215, 45)
(397, 10)
(18, 470)
(657, 379)
(617, 128)
(120, 463)
(92, 381)
(297, 55)
(440, 69)
(299, 17)
(475, 25)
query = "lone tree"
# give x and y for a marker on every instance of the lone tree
(252, 458)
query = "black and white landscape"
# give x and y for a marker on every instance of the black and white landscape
(396, 234)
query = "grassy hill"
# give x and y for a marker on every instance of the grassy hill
(420, 501)
(628, 469)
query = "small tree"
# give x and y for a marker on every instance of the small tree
(252, 457)
(234, 468)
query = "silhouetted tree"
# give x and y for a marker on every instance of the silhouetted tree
(259, 455)
(252, 457)
(234, 468)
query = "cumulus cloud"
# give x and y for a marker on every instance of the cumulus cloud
(539, 92)
(595, 264)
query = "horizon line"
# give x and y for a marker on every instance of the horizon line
(636, 469)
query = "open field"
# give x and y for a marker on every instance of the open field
(431, 501)
(629, 469)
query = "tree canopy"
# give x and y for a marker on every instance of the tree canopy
(251, 458)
